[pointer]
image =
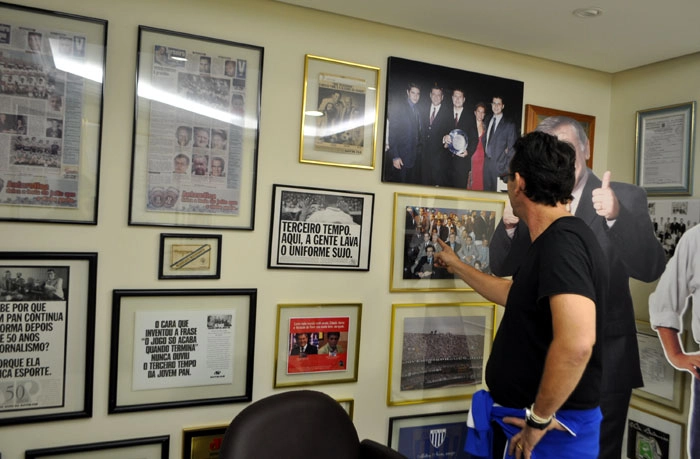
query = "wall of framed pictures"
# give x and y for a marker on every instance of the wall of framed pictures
(211, 250)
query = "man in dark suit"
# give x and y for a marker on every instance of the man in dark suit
(436, 158)
(500, 137)
(405, 139)
(303, 348)
(617, 213)
(463, 119)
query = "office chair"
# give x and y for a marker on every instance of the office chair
(300, 424)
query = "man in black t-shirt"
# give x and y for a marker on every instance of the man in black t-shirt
(545, 355)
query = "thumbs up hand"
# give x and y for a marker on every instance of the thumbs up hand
(604, 200)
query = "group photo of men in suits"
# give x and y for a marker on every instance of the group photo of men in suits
(447, 127)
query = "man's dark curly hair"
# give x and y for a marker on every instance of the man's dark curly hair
(547, 165)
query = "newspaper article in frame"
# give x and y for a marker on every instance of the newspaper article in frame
(196, 142)
(41, 110)
(340, 128)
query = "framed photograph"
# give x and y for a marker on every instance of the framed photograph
(665, 146)
(663, 384)
(449, 127)
(671, 218)
(534, 114)
(650, 435)
(315, 228)
(190, 256)
(47, 336)
(438, 351)
(202, 442)
(146, 448)
(429, 435)
(53, 72)
(195, 147)
(180, 348)
(420, 220)
(317, 344)
(339, 113)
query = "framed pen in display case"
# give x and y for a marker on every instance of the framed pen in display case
(196, 130)
(438, 351)
(180, 348)
(52, 66)
(47, 334)
(143, 448)
(339, 113)
(190, 256)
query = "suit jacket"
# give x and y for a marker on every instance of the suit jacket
(404, 133)
(436, 158)
(498, 152)
(461, 166)
(310, 349)
(632, 250)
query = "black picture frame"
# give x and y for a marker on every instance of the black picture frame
(147, 447)
(189, 256)
(62, 184)
(477, 88)
(146, 378)
(198, 170)
(67, 322)
(317, 228)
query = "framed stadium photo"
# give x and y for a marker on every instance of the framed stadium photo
(438, 351)
(314, 228)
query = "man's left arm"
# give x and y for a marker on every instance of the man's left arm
(574, 334)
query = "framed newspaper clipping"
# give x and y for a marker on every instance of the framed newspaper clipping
(177, 348)
(51, 90)
(195, 145)
(339, 113)
(145, 448)
(314, 228)
(47, 334)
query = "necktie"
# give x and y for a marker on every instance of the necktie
(432, 116)
(491, 131)
(456, 119)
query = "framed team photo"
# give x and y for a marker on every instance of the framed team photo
(315, 228)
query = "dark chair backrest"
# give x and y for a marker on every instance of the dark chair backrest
(301, 424)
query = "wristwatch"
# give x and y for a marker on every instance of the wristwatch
(534, 421)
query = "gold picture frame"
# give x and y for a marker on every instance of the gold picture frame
(318, 363)
(339, 113)
(202, 442)
(534, 114)
(410, 380)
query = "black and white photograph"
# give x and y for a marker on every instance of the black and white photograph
(448, 127)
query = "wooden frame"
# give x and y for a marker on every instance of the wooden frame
(412, 369)
(52, 298)
(665, 143)
(315, 228)
(319, 363)
(653, 436)
(534, 114)
(159, 350)
(146, 448)
(189, 256)
(429, 435)
(408, 248)
(56, 88)
(196, 130)
(339, 130)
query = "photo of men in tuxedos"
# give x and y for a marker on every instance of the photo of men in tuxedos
(405, 138)
(500, 137)
(303, 347)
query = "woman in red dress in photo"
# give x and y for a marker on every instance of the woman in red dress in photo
(476, 176)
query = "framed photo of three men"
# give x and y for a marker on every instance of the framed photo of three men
(448, 127)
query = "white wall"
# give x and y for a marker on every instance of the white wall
(128, 255)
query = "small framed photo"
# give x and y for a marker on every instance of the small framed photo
(314, 228)
(339, 113)
(317, 344)
(51, 102)
(190, 256)
(650, 435)
(420, 220)
(429, 435)
(665, 145)
(534, 114)
(663, 384)
(195, 146)
(348, 405)
(438, 351)
(47, 313)
(179, 348)
(145, 448)
(202, 442)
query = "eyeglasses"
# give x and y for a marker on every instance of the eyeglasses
(507, 176)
